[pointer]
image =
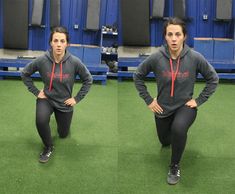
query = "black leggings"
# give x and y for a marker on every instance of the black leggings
(173, 130)
(44, 111)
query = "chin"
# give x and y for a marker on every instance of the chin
(174, 49)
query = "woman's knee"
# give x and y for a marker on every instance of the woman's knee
(63, 134)
(42, 120)
(179, 133)
(166, 144)
(165, 141)
(43, 112)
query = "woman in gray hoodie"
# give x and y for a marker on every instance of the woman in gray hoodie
(58, 70)
(175, 67)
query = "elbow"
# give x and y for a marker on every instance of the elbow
(22, 75)
(217, 78)
(91, 80)
(135, 77)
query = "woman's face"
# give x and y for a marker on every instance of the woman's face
(175, 38)
(59, 43)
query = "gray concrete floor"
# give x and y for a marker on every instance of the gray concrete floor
(13, 54)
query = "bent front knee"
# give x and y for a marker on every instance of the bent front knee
(165, 141)
(63, 136)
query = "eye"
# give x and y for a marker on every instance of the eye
(62, 41)
(169, 34)
(55, 40)
(178, 34)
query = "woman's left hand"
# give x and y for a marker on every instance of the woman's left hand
(70, 102)
(191, 103)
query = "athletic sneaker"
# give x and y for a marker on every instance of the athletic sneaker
(173, 174)
(45, 155)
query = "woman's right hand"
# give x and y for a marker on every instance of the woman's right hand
(41, 94)
(155, 107)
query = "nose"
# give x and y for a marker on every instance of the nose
(174, 38)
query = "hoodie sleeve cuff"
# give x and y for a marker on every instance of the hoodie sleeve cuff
(148, 100)
(36, 93)
(199, 102)
(76, 99)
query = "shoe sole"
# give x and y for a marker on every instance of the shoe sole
(172, 183)
(43, 161)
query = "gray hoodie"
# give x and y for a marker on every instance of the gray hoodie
(190, 64)
(58, 84)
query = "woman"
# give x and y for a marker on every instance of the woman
(58, 70)
(176, 67)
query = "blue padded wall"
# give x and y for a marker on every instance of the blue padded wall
(111, 17)
(209, 27)
(223, 49)
(77, 51)
(196, 26)
(73, 14)
(76, 15)
(65, 12)
(204, 28)
(91, 56)
(205, 46)
(39, 36)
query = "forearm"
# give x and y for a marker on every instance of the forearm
(142, 89)
(27, 80)
(86, 85)
(206, 93)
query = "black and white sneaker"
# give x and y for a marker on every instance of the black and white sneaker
(173, 174)
(46, 154)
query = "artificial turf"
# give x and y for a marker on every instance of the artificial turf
(113, 147)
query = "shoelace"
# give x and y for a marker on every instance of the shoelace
(175, 170)
(47, 152)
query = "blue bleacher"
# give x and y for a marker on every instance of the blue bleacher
(225, 69)
(91, 57)
(218, 51)
(76, 50)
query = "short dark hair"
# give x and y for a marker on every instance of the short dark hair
(175, 21)
(59, 29)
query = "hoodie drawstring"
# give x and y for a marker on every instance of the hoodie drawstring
(174, 75)
(61, 72)
(53, 73)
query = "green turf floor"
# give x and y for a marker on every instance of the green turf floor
(113, 146)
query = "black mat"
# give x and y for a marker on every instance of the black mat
(55, 13)
(37, 12)
(158, 8)
(15, 22)
(93, 15)
(179, 9)
(135, 22)
(224, 9)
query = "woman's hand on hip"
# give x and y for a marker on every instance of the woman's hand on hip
(191, 103)
(70, 102)
(155, 107)
(41, 94)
